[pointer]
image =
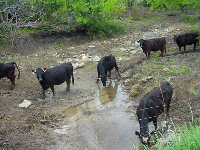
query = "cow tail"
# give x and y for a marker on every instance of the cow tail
(72, 75)
(72, 78)
(17, 69)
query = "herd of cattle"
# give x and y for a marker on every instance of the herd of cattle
(157, 44)
(150, 106)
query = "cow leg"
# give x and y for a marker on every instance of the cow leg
(109, 75)
(184, 48)
(145, 53)
(68, 84)
(98, 77)
(43, 94)
(12, 80)
(117, 69)
(194, 47)
(179, 49)
(162, 50)
(167, 110)
(155, 122)
(52, 89)
(161, 53)
(149, 54)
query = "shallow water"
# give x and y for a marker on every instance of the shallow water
(102, 123)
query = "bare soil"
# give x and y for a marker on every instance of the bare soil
(32, 127)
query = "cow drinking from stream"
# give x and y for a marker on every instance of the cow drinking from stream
(55, 76)
(106, 64)
(153, 45)
(186, 39)
(8, 70)
(150, 107)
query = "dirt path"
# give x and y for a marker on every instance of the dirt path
(33, 127)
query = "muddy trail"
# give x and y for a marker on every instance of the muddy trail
(91, 116)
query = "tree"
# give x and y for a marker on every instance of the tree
(97, 15)
(173, 4)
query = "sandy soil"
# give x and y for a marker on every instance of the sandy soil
(31, 128)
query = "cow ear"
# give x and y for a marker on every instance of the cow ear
(153, 133)
(137, 134)
(138, 41)
(33, 71)
(44, 70)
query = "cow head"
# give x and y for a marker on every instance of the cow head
(39, 73)
(141, 41)
(104, 79)
(146, 138)
(108, 58)
(175, 38)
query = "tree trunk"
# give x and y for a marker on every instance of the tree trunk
(70, 16)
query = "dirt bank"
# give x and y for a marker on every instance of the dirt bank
(32, 127)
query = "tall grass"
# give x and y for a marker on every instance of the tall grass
(185, 138)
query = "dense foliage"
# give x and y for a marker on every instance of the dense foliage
(183, 5)
(95, 15)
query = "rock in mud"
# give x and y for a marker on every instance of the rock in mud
(25, 103)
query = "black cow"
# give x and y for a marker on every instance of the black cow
(186, 39)
(150, 107)
(153, 45)
(8, 70)
(55, 76)
(106, 64)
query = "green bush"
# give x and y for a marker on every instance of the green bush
(5, 28)
(98, 17)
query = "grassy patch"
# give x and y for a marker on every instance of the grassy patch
(149, 89)
(185, 137)
(189, 19)
(193, 92)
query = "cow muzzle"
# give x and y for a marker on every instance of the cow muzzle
(145, 140)
(40, 79)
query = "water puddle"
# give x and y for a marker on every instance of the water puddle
(101, 123)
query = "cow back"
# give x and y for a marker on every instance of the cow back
(154, 102)
(57, 75)
(153, 44)
(157, 44)
(110, 63)
(5, 69)
(186, 39)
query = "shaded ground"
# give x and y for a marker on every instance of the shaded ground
(32, 128)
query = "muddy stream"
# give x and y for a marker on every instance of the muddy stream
(100, 123)
(98, 116)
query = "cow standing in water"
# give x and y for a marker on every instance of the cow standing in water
(153, 45)
(55, 76)
(150, 107)
(186, 39)
(8, 70)
(106, 64)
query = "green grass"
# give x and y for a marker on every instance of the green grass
(193, 92)
(185, 138)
